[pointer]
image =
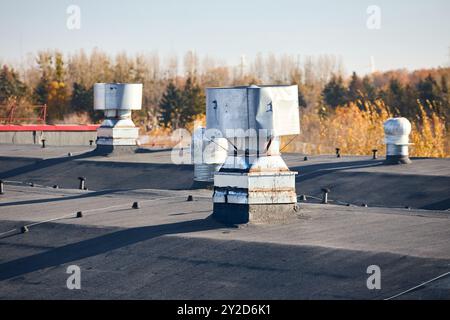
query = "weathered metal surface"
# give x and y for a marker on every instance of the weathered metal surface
(397, 132)
(397, 150)
(252, 119)
(197, 146)
(255, 197)
(249, 188)
(234, 111)
(269, 164)
(228, 111)
(112, 96)
(208, 155)
(206, 150)
(255, 164)
(233, 180)
(278, 110)
(117, 100)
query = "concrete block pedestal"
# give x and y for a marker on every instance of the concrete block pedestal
(231, 213)
(254, 197)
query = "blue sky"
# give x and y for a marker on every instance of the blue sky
(413, 34)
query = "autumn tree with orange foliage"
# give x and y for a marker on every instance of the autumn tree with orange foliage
(52, 89)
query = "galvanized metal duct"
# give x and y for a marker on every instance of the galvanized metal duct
(208, 155)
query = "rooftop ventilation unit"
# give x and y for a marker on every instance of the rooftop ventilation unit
(254, 184)
(117, 100)
(208, 155)
(396, 131)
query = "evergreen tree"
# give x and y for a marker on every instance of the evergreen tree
(444, 85)
(368, 89)
(445, 97)
(334, 92)
(82, 100)
(430, 95)
(355, 88)
(408, 104)
(193, 100)
(301, 98)
(393, 95)
(10, 85)
(41, 92)
(171, 106)
(296, 79)
(428, 90)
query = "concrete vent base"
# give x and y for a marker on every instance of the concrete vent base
(110, 150)
(397, 160)
(231, 213)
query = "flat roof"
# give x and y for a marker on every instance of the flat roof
(358, 180)
(171, 248)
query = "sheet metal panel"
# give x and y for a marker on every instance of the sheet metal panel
(110, 96)
(236, 110)
(227, 111)
(397, 131)
(278, 110)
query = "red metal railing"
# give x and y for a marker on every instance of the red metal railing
(11, 119)
(46, 127)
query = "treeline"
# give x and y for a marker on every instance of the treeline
(403, 93)
(174, 86)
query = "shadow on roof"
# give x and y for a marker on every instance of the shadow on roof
(100, 245)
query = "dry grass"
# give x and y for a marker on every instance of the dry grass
(159, 137)
(429, 135)
(74, 118)
(164, 137)
(357, 131)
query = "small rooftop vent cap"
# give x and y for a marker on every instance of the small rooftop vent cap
(397, 132)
